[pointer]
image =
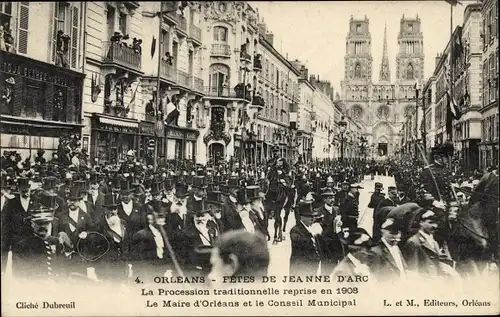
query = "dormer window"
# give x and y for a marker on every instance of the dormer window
(358, 28)
(410, 27)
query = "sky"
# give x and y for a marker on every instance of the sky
(315, 32)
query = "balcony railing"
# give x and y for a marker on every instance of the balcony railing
(183, 79)
(226, 92)
(114, 52)
(168, 71)
(221, 50)
(195, 32)
(197, 84)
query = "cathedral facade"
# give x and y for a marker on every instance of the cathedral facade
(380, 107)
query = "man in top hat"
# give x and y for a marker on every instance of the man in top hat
(349, 208)
(308, 245)
(148, 251)
(177, 215)
(113, 265)
(359, 256)
(214, 203)
(202, 232)
(40, 255)
(229, 209)
(15, 214)
(388, 262)
(377, 195)
(330, 221)
(422, 252)
(129, 210)
(198, 193)
(6, 187)
(95, 197)
(73, 220)
(341, 195)
(243, 217)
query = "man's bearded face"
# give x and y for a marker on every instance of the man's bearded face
(179, 205)
(169, 194)
(73, 204)
(201, 219)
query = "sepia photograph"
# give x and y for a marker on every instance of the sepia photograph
(256, 158)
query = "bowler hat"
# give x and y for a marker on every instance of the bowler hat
(110, 201)
(305, 208)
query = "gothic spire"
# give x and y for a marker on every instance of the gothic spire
(385, 74)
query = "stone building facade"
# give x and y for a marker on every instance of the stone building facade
(380, 107)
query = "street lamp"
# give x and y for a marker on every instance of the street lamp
(342, 128)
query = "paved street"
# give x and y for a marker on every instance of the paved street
(280, 253)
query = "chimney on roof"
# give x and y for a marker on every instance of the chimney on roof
(270, 38)
(438, 58)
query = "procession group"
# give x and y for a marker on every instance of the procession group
(66, 218)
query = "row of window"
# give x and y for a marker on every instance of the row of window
(490, 24)
(15, 17)
(280, 79)
(490, 79)
(490, 128)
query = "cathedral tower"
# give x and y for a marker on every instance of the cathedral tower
(410, 57)
(385, 72)
(358, 58)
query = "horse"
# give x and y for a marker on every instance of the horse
(473, 237)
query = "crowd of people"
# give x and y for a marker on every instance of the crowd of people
(66, 218)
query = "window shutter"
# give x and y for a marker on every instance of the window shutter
(23, 27)
(54, 30)
(74, 37)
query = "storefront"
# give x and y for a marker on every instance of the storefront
(146, 133)
(113, 137)
(180, 143)
(40, 103)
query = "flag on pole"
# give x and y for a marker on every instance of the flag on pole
(172, 113)
(453, 112)
(133, 96)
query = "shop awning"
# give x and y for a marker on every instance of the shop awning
(119, 123)
(32, 125)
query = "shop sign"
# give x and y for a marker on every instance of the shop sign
(146, 128)
(28, 68)
(191, 136)
(117, 129)
(175, 134)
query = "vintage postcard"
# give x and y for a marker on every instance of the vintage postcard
(221, 158)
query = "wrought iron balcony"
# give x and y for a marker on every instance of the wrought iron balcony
(195, 32)
(117, 53)
(183, 79)
(221, 50)
(168, 71)
(245, 57)
(226, 92)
